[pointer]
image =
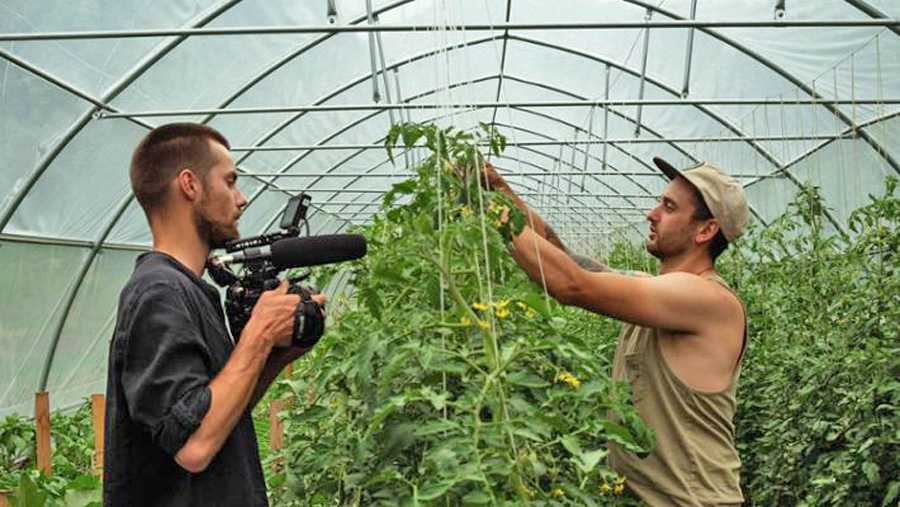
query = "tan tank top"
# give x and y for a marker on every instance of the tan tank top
(694, 461)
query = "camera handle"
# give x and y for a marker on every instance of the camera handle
(309, 319)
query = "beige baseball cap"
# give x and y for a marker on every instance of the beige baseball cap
(723, 194)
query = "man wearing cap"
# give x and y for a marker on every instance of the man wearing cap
(684, 334)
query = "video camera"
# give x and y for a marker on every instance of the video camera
(265, 256)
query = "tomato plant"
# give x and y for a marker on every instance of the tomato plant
(450, 378)
(819, 402)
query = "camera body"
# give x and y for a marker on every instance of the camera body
(260, 274)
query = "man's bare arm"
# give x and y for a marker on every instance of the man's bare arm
(231, 390)
(278, 359)
(677, 301)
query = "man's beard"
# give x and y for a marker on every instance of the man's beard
(215, 235)
(662, 249)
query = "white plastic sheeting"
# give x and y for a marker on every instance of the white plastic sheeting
(63, 168)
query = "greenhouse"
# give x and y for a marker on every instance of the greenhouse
(448, 374)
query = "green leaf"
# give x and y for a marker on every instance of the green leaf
(538, 302)
(871, 472)
(571, 443)
(893, 491)
(476, 497)
(435, 490)
(398, 189)
(438, 400)
(523, 432)
(588, 460)
(527, 379)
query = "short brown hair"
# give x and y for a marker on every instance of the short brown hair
(702, 212)
(166, 150)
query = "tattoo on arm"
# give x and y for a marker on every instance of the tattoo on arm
(590, 264)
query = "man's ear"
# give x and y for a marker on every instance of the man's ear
(188, 184)
(707, 232)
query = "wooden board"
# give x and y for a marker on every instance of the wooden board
(98, 417)
(42, 430)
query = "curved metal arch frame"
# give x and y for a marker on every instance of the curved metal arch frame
(81, 123)
(385, 161)
(464, 45)
(794, 80)
(872, 12)
(803, 156)
(715, 116)
(358, 152)
(48, 159)
(368, 171)
(73, 131)
(525, 110)
(120, 86)
(712, 114)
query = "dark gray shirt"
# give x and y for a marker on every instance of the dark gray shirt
(170, 342)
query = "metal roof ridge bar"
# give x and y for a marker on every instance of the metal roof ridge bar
(524, 193)
(480, 27)
(525, 173)
(492, 104)
(592, 140)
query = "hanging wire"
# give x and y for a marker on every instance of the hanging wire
(854, 123)
(842, 174)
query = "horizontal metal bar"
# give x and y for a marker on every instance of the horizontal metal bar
(283, 30)
(488, 105)
(43, 240)
(349, 203)
(405, 175)
(587, 207)
(524, 194)
(566, 142)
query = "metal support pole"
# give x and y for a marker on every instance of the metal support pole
(605, 117)
(688, 53)
(640, 109)
(376, 95)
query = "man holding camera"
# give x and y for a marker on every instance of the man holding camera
(684, 334)
(180, 391)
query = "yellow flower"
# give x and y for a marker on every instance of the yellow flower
(568, 378)
(480, 306)
(496, 223)
(465, 321)
(530, 314)
(557, 493)
(502, 312)
(466, 211)
(494, 208)
(605, 488)
(522, 305)
(620, 479)
(483, 324)
(618, 489)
